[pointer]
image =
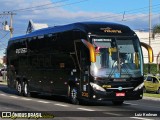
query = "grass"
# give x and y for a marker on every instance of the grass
(151, 95)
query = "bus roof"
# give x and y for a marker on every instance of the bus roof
(88, 27)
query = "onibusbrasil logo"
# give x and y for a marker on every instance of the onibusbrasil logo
(27, 115)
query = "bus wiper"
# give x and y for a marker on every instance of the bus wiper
(112, 70)
(121, 68)
(126, 69)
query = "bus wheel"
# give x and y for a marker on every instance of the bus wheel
(26, 91)
(117, 102)
(73, 95)
(19, 88)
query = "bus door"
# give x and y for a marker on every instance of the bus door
(82, 55)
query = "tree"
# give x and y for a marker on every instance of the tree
(156, 29)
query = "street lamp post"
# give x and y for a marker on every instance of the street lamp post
(150, 25)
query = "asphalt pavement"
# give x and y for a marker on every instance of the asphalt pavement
(62, 110)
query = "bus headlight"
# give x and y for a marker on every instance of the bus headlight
(139, 87)
(97, 87)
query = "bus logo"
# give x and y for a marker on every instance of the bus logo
(21, 50)
(6, 115)
(120, 88)
(110, 30)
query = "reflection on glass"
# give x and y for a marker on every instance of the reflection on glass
(117, 57)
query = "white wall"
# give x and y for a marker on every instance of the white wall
(1, 60)
(155, 44)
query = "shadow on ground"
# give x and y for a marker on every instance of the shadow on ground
(5, 89)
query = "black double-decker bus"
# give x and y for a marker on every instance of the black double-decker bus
(85, 60)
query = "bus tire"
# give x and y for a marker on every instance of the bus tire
(26, 90)
(19, 88)
(73, 95)
(117, 102)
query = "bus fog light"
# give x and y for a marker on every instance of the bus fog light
(94, 96)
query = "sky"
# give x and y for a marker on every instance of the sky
(133, 13)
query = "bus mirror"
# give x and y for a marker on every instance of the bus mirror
(150, 52)
(91, 50)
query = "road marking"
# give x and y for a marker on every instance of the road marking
(3, 108)
(139, 118)
(13, 96)
(109, 113)
(43, 102)
(129, 103)
(85, 109)
(3, 94)
(141, 105)
(61, 105)
(26, 99)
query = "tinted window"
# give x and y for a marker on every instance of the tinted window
(155, 80)
(149, 78)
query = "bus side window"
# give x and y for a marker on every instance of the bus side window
(32, 44)
(85, 56)
(82, 54)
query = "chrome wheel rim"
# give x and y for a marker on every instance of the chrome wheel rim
(74, 94)
(25, 89)
(19, 88)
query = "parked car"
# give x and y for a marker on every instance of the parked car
(152, 84)
(1, 71)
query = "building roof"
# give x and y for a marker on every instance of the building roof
(35, 26)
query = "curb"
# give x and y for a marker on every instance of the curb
(151, 98)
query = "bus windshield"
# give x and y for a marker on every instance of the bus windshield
(117, 57)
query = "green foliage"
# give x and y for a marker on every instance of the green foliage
(153, 68)
(156, 29)
(1, 65)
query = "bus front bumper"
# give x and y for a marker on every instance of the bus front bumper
(117, 95)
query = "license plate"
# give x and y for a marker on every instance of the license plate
(120, 94)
